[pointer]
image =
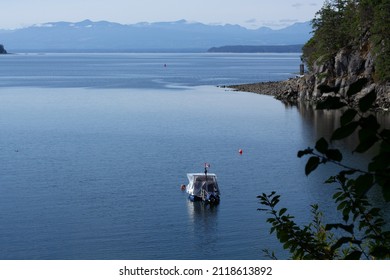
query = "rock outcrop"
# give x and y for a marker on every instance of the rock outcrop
(332, 77)
(2, 50)
(335, 77)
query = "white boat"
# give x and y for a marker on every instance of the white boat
(203, 187)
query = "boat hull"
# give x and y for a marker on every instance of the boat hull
(214, 200)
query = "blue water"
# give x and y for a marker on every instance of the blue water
(94, 148)
(143, 70)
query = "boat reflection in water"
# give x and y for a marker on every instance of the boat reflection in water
(203, 221)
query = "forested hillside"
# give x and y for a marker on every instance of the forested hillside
(352, 24)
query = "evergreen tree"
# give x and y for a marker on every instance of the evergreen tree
(343, 24)
(381, 39)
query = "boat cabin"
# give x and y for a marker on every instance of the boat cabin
(203, 187)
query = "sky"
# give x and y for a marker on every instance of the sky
(248, 13)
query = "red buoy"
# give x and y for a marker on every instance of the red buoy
(240, 151)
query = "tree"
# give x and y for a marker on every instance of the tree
(362, 224)
(381, 39)
(344, 24)
(332, 27)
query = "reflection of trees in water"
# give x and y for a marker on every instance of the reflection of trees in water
(322, 123)
(204, 226)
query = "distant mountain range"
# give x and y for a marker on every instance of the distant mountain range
(161, 36)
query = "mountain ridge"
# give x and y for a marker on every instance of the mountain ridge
(181, 34)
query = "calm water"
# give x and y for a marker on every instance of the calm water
(94, 148)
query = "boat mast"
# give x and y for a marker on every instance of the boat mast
(206, 165)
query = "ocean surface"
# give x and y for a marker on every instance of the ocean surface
(94, 148)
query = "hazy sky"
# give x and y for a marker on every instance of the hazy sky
(248, 13)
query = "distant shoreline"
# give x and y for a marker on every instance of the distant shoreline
(297, 48)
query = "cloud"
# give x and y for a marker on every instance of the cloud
(288, 21)
(298, 5)
(252, 20)
(277, 24)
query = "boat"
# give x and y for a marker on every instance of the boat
(203, 187)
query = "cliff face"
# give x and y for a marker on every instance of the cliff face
(333, 77)
(337, 74)
(2, 50)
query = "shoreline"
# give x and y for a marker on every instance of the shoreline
(304, 88)
(285, 90)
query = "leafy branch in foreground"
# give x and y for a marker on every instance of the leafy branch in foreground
(364, 122)
(361, 232)
(308, 242)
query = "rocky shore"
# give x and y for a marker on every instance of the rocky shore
(295, 90)
(283, 90)
(333, 77)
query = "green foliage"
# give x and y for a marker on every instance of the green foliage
(362, 226)
(333, 29)
(309, 242)
(343, 24)
(381, 39)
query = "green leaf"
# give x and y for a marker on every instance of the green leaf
(348, 116)
(355, 255)
(385, 133)
(342, 205)
(367, 101)
(334, 154)
(370, 123)
(386, 192)
(331, 180)
(322, 145)
(366, 144)
(301, 154)
(385, 146)
(336, 195)
(341, 197)
(282, 211)
(381, 252)
(347, 228)
(311, 165)
(344, 131)
(275, 200)
(356, 87)
(374, 211)
(380, 162)
(283, 236)
(340, 242)
(304, 152)
(363, 183)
